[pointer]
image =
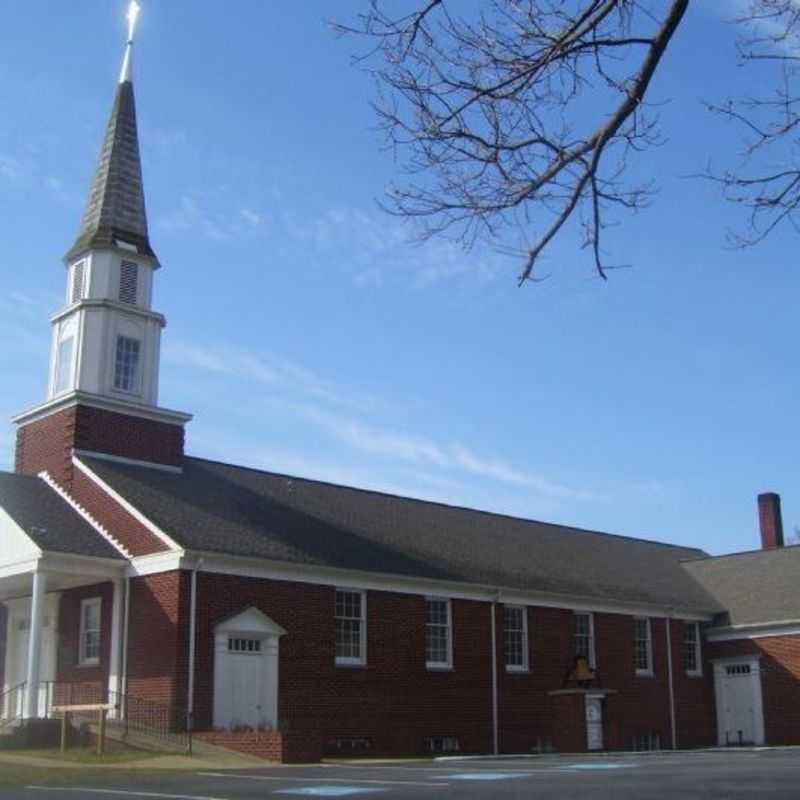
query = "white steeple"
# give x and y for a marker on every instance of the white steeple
(106, 339)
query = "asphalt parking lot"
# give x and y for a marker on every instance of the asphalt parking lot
(708, 775)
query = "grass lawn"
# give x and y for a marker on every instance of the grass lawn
(115, 754)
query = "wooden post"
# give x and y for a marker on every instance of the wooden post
(64, 726)
(101, 736)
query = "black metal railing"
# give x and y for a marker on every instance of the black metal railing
(169, 724)
(131, 717)
(12, 704)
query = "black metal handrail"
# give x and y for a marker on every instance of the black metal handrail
(169, 725)
(12, 703)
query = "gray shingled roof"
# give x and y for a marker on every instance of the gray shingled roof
(48, 519)
(245, 512)
(116, 208)
(762, 586)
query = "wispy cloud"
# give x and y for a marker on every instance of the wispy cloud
(425, 451)
(257, 368)
(10, 169)
(344, 418)
(377, 249)
(196, 214)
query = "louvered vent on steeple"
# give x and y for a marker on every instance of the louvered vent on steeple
(128, 282)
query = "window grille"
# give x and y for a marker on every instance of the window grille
(438, 635)
(89, 650)
(64, 364)
(238, 645)
(515, 637)
(350, 627)
(128, 282)
(126, 366)
(642, 647)
(691, 647)
(738, 669)
(584, 637)
(78, 278)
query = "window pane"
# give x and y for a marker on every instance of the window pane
(642, 645)
(515, 638)
(690, 646)
(583, 637)
(349, 625)
(126, 367)
(64, 365)
(437, 632)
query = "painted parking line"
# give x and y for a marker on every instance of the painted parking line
(598, 766)
(486, 776)
(347, 781)
(158, 795)
(329, 791)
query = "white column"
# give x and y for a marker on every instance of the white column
(35, 645)
(115, 658)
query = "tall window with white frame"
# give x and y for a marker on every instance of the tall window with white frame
(692, 660)
(515, 638)
(64, 357)
(351, 627)
(642, 646)
(584, 637)
(438, 634)
(89, 642)
(126, 364)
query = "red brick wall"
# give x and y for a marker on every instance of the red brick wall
(122, 525)
(780, 682)
(640, 705)
(157, 640)
(87, 684)
(396, 702)
(47, 444)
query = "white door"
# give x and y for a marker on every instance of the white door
(594, 722)
(739, 704)
(47, 661)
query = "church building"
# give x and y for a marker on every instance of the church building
(296, 619)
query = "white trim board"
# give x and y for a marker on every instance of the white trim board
(761, 631)
(383, 582)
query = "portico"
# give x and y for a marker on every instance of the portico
(34, 575)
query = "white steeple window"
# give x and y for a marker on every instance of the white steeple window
(128, 282)
(78, 281)
(66, 348)
(126, 364)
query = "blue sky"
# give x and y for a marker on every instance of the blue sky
(308, 335)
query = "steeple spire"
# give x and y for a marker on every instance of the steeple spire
(115, 215)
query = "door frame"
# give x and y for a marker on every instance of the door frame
(721, 679)
(253, 624)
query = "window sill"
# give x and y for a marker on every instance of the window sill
(88, 664)
(645, 673)
(351, 664)
(439, 667)
(518, 670)
(693, 674)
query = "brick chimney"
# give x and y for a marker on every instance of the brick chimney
(769, 518)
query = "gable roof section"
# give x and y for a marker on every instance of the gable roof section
(238, 511)
(48, 520)
(760, 587)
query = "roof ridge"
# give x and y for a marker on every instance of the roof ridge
(754, 552)
(452, 506)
